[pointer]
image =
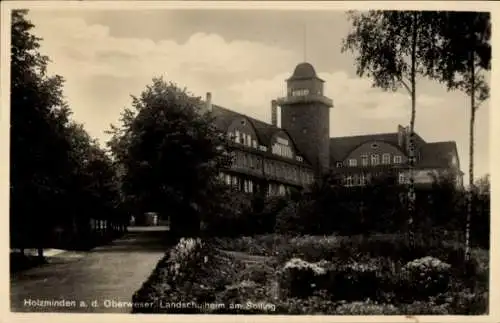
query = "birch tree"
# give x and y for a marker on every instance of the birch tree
(464, 55)
(389, 47)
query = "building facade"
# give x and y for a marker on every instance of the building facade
(274, 159)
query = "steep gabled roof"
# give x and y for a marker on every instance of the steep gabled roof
(340, 147)
(432, 155)
(264, 131)
(224, 117)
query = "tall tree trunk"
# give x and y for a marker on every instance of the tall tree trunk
(471, 156)
(411, 146)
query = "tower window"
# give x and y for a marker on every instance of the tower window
(300, 92)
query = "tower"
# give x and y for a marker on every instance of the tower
(305, 115)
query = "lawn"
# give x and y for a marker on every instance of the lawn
(334, 275)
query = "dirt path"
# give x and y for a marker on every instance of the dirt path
(103, 277)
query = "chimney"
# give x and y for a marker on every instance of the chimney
(401, 136)
(208, 102)
(274, 113)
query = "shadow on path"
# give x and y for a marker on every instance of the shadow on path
(91, 282)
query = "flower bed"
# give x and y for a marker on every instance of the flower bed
(321, 275)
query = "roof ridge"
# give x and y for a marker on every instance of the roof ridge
(246, 116)
(366, 135)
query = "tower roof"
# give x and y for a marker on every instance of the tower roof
(304, 71)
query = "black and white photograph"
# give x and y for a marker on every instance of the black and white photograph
(328, 159)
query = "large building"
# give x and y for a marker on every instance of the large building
(276, 158)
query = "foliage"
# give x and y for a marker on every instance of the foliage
(55, 165)
(171, 154)
(382, 40)
(192, 272)
(459, 34)
(426, 276)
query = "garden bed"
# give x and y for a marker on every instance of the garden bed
(318, 275)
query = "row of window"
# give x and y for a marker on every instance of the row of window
(361, 179)
(246, 139)
(282, 150)
(280, 170)
(247, 161)
(374, 160)
(277, 189)
(243, 138)
(248, 186)
(245, 185)
(287, 172)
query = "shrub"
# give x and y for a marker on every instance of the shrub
(171, 274)
(424, 277)
(260, 273)
(353, 280)
(299, 278)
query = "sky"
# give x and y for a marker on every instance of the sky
(243, 58)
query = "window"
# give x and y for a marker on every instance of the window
(348, 181)
(362, 179)
(299, 158)
(353, 162)
(230, 136)
(397, 159)
(300, 92)
(254, 143)
(375, 160)
(374, 146)
(364, 160)
(402, 178)
(234, 181)
(386, 159)
(228, 179)
(339, 164)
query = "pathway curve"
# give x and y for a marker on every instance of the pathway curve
(100, 281)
